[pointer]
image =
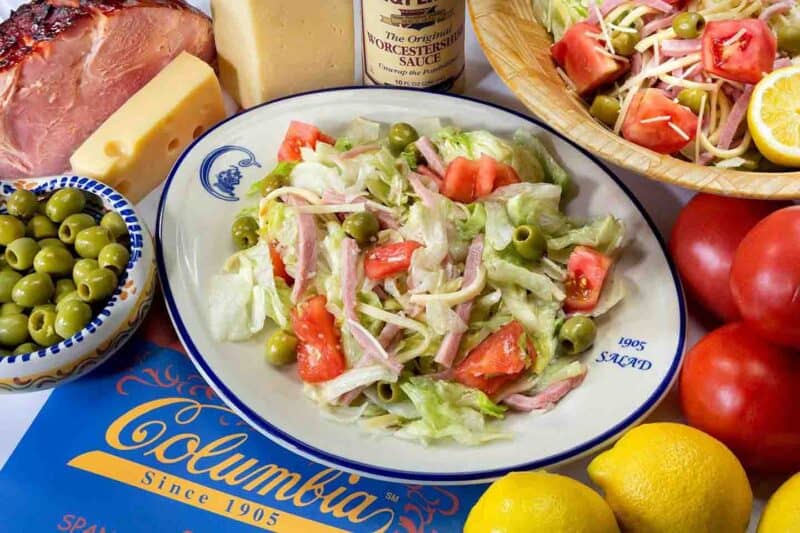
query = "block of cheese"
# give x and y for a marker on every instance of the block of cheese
(134, 150)
(272, 48)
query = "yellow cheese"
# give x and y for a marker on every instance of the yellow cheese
(273, 48)
(134, 150)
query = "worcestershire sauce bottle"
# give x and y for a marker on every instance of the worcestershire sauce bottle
(415, 44)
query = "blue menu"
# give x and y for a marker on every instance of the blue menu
(143, 444)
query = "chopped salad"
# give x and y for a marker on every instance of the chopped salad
(424, 279)
(675, 76)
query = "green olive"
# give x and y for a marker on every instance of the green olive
(688, 25)
(114, 223)
(82, 269)
(624, 43)
(64, 203)
(115, 257)
(20, 254)
(789, 38)
(281, 348)
(11, 309)
(97, 285)
(752, 160)
(74, 224)
(44, 243)
(605, 109)
(400, 136)
(13, 330)
(8, 278)
(27, 347)
(388, 392)
(72, 317)
(42, 327)
(244, 232)
(41, 227)
(67, 297)
(577, 334)
(63, 287)
(44, 307)
(54, 261)
(22, 203)
(361, 226)
(529, 242)
(90, 241)
(32, 290)
(279, 177)
(692, 98)
(11, 229)
(4, 353)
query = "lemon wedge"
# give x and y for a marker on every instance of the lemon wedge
(774, 116)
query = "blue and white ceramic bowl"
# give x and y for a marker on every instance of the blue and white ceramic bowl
(108, 331)
(632, 366)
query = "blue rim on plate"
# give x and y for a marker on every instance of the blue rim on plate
(320, 456)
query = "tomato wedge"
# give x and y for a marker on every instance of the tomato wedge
(301, 135)
(386, 261)
(580, 55)
(586, 272)
(278, 267)
(739, 50)
(319, 352)
(498, 360)
(467, 180)
(645, 123)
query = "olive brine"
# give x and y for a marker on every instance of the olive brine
(59, 267)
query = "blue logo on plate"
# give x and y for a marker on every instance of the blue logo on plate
(221, 175)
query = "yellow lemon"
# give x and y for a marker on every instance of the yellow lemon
(673, 478)
(782, 514)
(538, 502)
(774, 116)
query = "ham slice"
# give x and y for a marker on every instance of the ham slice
(547, 399)
(735, 118)
(449, 347)
(430, 154)
(66, 66)
(306, 250)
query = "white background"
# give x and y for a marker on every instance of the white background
(661, 201)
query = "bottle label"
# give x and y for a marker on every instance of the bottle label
(417, 44)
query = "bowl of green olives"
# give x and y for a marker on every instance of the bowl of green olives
(77, 276)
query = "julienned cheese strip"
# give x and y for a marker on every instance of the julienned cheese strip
(135, 148)
(273, 48)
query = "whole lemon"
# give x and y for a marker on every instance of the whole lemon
(782, 514)
(672, 478)
(532, 502)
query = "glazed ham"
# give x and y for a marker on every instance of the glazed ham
(67, 65)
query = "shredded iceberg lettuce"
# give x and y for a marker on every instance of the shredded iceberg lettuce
(606, 235)
(449, 410)
(453, 143)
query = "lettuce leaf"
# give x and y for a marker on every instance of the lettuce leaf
(469, 227)
(453, 143)
(499, 230)
(503, 272)
(282, 170)
(278, 223)
(553, 172)
(449, 410)
(558, 15)
(605, 234)
(539, 319)
(536, 204)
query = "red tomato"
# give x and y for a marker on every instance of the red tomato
(743, 390)
(278, 268)
(703, 242)
(586, 272)
(658, 136)
(497, 360)
(467, 180)
(739, 50)
(386, 261)
(319, 353)
(765, 277)
(459, 180)
(588, 68)
(301, 135)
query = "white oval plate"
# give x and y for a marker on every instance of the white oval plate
(208, 187)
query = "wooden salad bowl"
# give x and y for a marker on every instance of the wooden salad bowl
(518, 48)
